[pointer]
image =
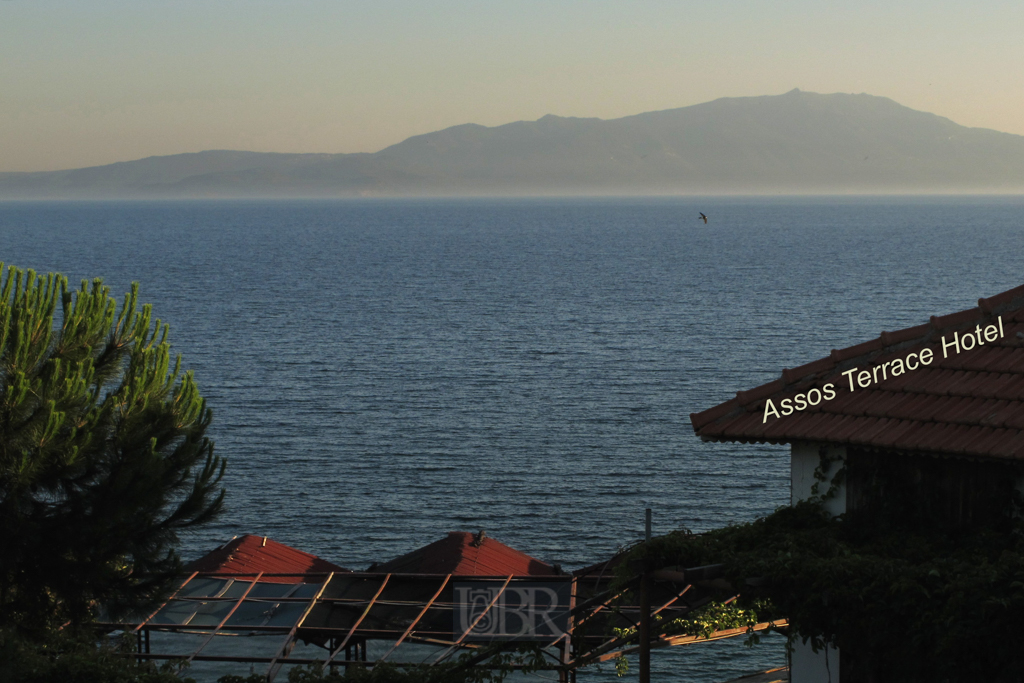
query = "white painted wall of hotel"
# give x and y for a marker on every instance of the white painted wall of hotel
(806, 665)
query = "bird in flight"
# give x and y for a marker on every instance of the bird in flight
(703, 218)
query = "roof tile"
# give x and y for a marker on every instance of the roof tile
(466, 554)
(251, 554)
(971, 403)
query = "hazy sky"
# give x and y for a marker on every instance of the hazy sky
(89, 82)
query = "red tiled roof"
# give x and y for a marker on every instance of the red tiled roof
(252, 554)
(466, 554)
(970, 403)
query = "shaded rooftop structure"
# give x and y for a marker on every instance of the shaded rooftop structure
(466, 554)
(458, 595)
(968, 401)
(253, 554)
(917, 430)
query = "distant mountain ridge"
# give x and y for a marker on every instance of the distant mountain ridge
(798, 142)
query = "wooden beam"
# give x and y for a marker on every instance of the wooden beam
(593, 655)
(271, 671)
(600, 607)
(416, 620)
(173, 595)
(644, 627)
(599, 598)
(476, 621)
(296, 660)
(567, 650)
(672, 601)
(352, 630)
(672, 641)
(225, 619)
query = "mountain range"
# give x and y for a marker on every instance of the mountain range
(795, 143)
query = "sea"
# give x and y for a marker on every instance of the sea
(384, 371)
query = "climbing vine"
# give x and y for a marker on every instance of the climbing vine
(702, 623)
(821, 475)
(903, 602)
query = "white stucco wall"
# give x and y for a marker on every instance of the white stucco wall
(804, 459)
(806, 665)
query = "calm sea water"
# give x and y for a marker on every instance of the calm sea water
(383, 372)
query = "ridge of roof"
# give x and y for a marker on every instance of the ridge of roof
(251, 554)
(466, 554)
(899, 411)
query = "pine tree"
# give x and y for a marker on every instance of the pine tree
(103, 453)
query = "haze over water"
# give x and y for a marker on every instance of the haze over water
(383, 372)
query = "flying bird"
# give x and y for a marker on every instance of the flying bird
(703, 218)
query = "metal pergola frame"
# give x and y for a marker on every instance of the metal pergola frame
(344, 610)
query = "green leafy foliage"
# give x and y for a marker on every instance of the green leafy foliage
(103, 454)
(715, 616)
(501, 663)
(701, 623)
(903, 602)
(75, 657)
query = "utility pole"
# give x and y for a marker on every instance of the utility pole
(645, 610)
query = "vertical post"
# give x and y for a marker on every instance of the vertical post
(645, 610)
(565, 675)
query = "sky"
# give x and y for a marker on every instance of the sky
(90, 82)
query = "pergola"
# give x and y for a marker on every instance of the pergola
(333, 615)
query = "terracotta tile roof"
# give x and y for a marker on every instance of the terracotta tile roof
(967, 403)
(463, 553)
(252, 554)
